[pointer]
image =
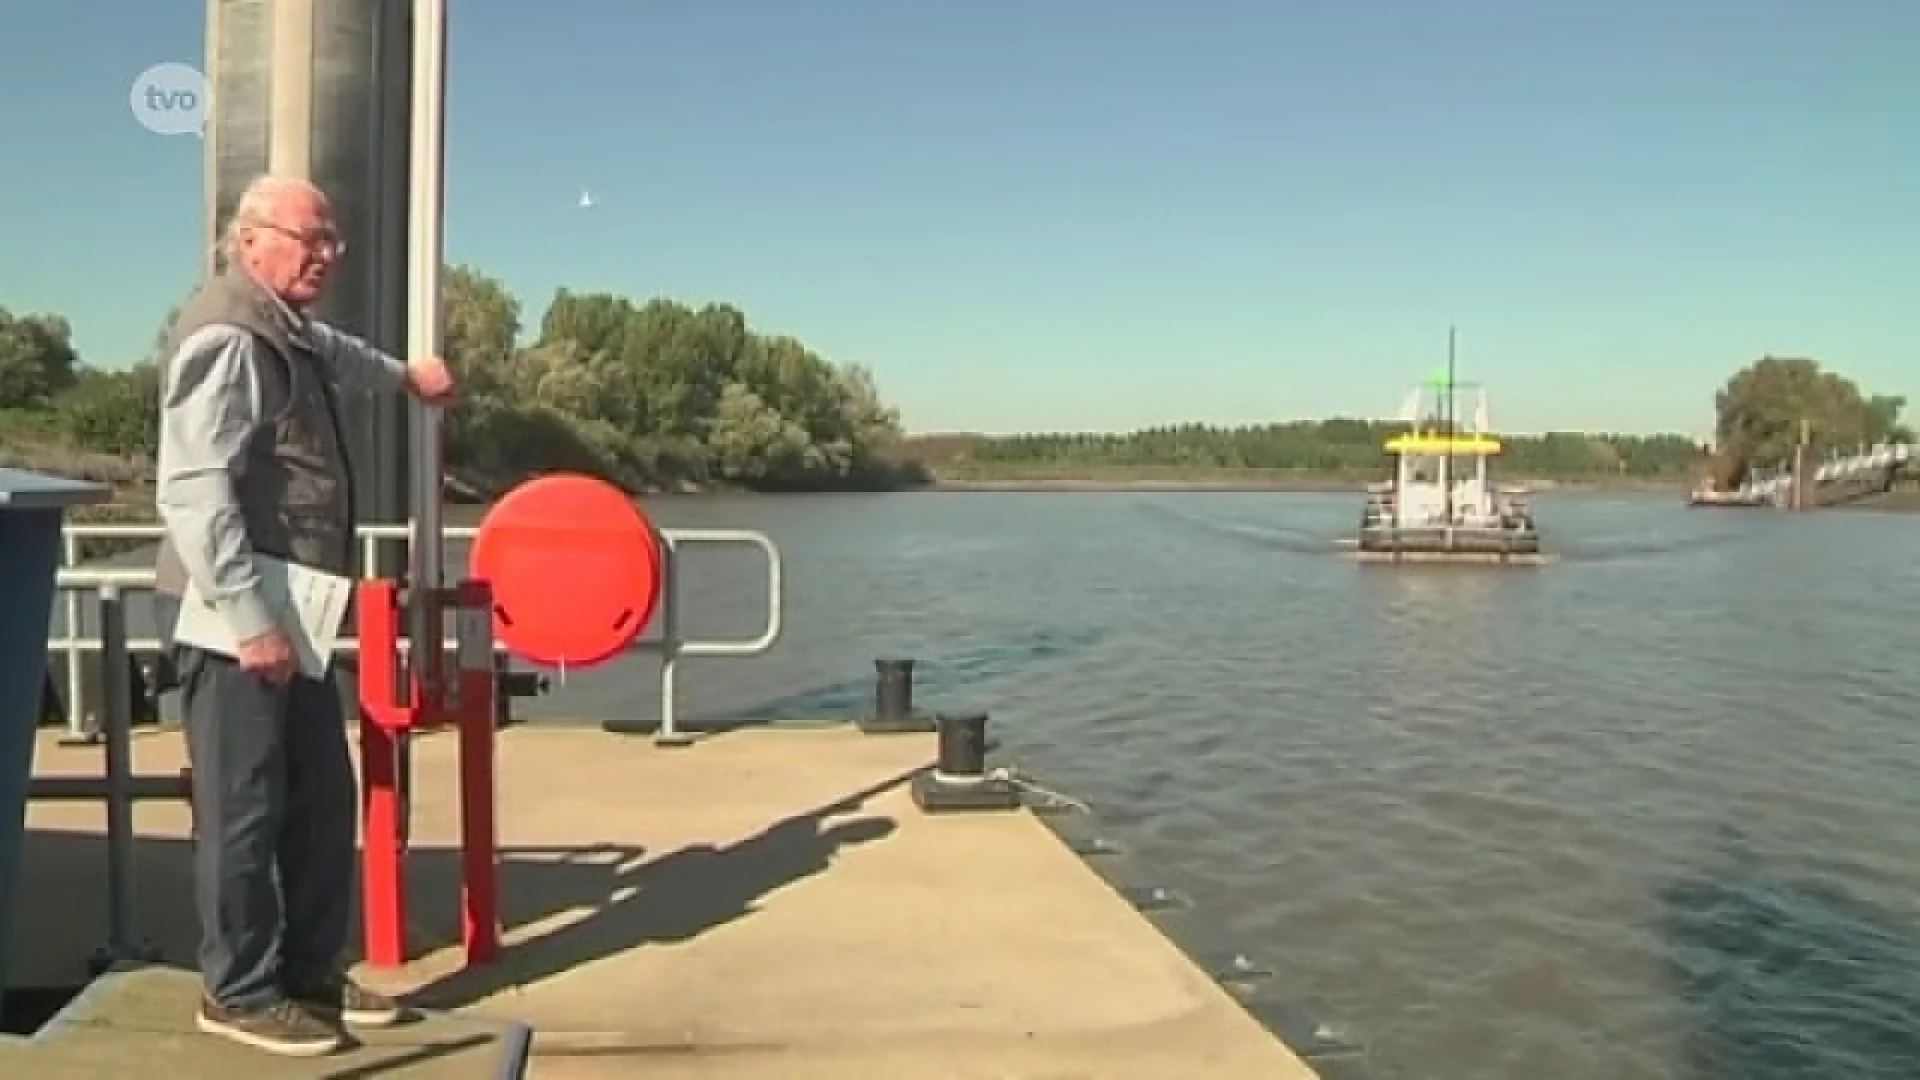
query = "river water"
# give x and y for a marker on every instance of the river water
(1649, 812)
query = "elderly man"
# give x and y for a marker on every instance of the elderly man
(252, 462)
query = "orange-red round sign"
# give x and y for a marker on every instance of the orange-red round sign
(575, 568)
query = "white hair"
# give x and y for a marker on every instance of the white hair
(256, 205)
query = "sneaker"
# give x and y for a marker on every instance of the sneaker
(353, 1003)
(284, 1027)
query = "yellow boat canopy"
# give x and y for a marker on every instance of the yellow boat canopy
(1416, 443)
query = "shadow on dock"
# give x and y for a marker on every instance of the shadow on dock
(1783, 978)
(620, 898)
(634, 900)
(884, 940)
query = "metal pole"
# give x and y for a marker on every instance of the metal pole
(80, 730)
(670, 643)
(118, 710)
(424, 246)
(1446, 471)
(425, 628)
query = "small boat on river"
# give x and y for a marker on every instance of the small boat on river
(1442, 503)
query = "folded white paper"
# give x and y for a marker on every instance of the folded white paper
(308, 605)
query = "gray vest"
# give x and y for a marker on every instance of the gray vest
(293, 483)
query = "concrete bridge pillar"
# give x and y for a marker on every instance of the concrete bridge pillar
(320, 89)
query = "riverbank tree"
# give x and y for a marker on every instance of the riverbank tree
(652, 395)
(1765, 409)
(658, 394)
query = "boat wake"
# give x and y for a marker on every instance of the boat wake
(1262, 537)
(1570, 550)
(1623, 549)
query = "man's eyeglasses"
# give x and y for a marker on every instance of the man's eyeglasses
(319, 241)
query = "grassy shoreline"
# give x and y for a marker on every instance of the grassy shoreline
(132, 481)
(1175, 479)
(133, 502)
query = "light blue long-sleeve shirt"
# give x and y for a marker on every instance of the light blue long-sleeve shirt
(211, 406)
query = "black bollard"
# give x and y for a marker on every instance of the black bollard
(893, 711)
(893, 689)
(963, 747)
(959, 779)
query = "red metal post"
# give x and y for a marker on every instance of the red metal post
(384, 884)
(382, 716)
(479, 844)
(463, 699)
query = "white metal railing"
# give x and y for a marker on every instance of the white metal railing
(74, 579)
(1868, 459)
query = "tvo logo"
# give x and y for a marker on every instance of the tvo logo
(170, 99)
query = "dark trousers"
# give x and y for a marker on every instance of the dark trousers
(275, 812)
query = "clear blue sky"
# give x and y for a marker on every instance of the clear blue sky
(1109, 213)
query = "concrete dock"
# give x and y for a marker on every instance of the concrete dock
(769, 902)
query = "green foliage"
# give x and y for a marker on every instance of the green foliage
(1766, 408)
(1759, 416)
(653, 395)
(37, 360)
(113, 412)
(48, 395)
(656, 394)
(1337, 446)
(659, 395)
